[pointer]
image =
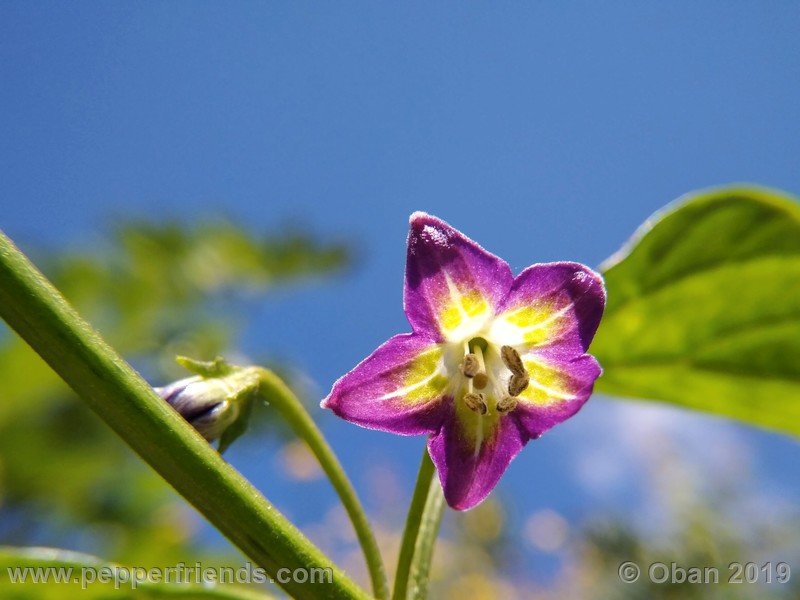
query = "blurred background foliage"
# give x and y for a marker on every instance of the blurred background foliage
(154, 291)
(706, 519)
(160, 290)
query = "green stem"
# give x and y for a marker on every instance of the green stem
(41, 316)
(426, 542)
(419, 536)
(281, 397)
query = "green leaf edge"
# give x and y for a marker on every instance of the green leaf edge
(778, 199)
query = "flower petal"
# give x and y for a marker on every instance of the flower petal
(400, 388)
(471, 453)
(453, 286)
(558, 389)
(552, 304)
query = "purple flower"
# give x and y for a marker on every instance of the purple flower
(493, 360)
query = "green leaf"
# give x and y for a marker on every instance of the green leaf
(704, 308)
(64, 574)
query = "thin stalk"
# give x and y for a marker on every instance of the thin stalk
(41, 316)
(419, 536)
(426, 542)
(276, 392)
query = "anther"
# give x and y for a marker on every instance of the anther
(506, 404)
(470, 366)
(518, 383)
(512, 360)
(476, 402)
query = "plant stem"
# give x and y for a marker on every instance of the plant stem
(426, 542)
(41, 316)
(281, 397)
(419, 536)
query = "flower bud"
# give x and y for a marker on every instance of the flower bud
(206, 403)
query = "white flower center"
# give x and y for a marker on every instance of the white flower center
(491, 378)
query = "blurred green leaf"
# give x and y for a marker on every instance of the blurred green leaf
(154, 291)
(97, 577)
(704, 308)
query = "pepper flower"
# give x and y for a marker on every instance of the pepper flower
(493, 361)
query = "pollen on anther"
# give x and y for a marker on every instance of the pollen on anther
(476, 402)
(470, 366)
(512, 360)
(506, 404)
(518, 384)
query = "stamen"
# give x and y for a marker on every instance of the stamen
(470, 366)
(476, 402)
(497, 389)
(508, 403)
(518, 383)
(512, 360)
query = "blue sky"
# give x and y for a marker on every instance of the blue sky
(546, 131)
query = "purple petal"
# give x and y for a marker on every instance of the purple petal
(552, 304)
(400, 388)
(470, 463)
(558, 389)
(452, 284)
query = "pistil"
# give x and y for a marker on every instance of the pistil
(473, 368)
(480, 379)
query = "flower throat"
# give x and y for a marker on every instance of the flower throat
(478, 377)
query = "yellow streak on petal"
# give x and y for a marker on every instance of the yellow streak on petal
(451, 318)
(532, 324)
(424, 378)
(433, 388)
(547, 386)
(463, 312)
